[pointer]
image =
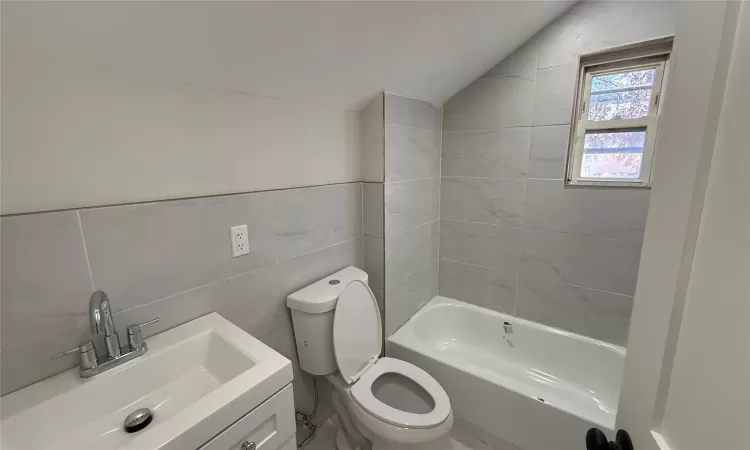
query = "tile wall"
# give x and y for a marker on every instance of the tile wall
(373, 148)
(170, 260)
(411, 210)
(512, 237)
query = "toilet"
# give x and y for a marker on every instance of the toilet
(381, 403)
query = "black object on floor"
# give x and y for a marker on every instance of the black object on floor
(597, 440)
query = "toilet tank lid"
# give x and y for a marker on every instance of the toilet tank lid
(322, 295)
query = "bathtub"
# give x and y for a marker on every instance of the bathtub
(537, 388)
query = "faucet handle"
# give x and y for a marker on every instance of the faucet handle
(135, 339)
(88, 355)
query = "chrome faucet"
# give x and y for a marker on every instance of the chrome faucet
(100, 319)
(508, 327)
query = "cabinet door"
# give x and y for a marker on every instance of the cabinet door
(267, 427)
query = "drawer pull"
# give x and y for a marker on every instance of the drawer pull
(247, 445)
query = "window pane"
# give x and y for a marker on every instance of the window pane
(613, 154)
(624, 95)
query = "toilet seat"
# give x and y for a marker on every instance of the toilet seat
(362, 394)
(357, 346)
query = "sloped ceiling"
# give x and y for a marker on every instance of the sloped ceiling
(340, 53)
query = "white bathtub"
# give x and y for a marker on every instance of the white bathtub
(538, 388)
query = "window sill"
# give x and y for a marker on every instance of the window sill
(606, 184)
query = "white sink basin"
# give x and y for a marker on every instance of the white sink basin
(197, 379)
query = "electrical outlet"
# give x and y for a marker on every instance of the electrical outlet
(240, 242)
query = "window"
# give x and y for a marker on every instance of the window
(616, 115)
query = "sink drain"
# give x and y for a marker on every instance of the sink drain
(138, 420)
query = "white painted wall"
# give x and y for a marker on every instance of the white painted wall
(687, 132)
(74, 136)
(709, 391)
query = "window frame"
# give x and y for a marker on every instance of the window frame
(649, 54)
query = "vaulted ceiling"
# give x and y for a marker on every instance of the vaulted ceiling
(340, 53)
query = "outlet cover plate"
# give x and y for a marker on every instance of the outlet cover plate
(240, 241)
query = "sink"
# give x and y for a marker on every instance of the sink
(197, 379)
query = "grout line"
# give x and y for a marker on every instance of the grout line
(488, 178)
(177, 199)
(526, 227)
(85, 251)
(410, 128)
(628, 241)
(412, 229)
(408, 181)
(492, 130)
(470, 264)
(579, 286)
(319, 249)
(450, 219)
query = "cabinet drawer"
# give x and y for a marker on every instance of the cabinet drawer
(269, 426)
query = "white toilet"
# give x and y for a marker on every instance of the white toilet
(385, 403)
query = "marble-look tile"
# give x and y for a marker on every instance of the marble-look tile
(407, 205)
(609, 213)
(26, 364)
(488, 288)
(141, 253)
(549, 149)
(435, 208)
(250, 300)
(372, 140)
(477, 438)
(605, 264)
(405, 298)
(490, 103)
(406, 253)
(325, 438)
(374, 264)
(411, 153)
(373, 206)
(308, 219)
(521, 63)
(502, 153)
(597, 314)
(592, 26)
(307, 269)
(493, 246)
(487, 200)
(412, 113)
(435, 240)
(553, 98)
(45, 277)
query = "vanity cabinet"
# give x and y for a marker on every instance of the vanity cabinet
(270, 426)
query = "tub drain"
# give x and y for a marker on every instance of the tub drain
(138, 420)
(541, 399)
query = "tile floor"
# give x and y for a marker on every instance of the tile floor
(459, 440)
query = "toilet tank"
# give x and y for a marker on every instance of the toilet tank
(313, 308)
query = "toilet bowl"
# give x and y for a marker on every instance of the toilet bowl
(381, 402)
(395, 402)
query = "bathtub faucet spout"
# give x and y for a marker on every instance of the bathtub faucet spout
(508, 327)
